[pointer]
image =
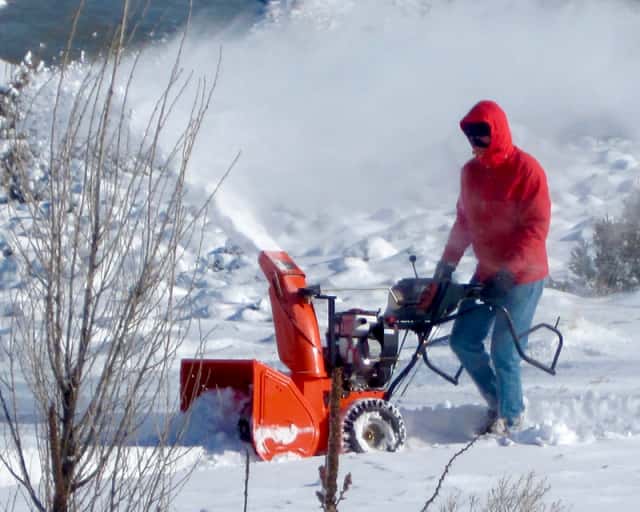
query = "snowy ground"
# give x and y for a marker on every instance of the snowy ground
(347, 119)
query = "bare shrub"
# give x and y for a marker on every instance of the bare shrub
(92, 329)
(524, 494)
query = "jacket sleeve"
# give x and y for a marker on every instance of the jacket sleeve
(534, 215)
(459, 237)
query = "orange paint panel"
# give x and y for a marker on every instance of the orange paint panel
(283, 420)
(294, 318)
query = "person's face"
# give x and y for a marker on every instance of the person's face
(479, 144)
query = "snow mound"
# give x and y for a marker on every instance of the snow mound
(546, 434)
(589, 415)
(553, 417)
(443, 423)
(374, 248)
(354, 272)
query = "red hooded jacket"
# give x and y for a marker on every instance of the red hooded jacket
(504, 209)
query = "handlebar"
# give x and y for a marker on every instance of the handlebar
(473, 291)
(442, 310)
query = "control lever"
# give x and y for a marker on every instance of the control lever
(412, 259)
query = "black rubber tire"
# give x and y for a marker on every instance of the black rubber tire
(244, 429)
(373, 424)
(245, 432)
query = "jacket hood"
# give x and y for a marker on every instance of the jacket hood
(501, 146)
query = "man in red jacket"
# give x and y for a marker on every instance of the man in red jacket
(503, 213)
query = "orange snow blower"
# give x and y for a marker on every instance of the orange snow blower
(288, 413)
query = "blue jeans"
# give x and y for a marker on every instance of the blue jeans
(501, 386)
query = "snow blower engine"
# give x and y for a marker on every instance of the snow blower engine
(367, 348)
(288, 412)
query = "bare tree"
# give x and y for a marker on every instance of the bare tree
(94, 325)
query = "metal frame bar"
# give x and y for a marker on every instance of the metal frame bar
(423, 344)
(423, 331)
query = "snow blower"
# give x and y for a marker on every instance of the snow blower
(288, 413)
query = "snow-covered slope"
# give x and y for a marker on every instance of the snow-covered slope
(346, 114)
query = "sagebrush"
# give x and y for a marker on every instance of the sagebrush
(610, 261)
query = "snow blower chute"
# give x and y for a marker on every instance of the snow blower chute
(287, 413)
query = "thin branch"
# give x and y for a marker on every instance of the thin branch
(446, 471)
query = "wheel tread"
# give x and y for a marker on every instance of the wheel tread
(387, 411)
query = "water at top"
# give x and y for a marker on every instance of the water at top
(42, 27)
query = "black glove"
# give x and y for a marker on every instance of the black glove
(499, 285)
(444, 271)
